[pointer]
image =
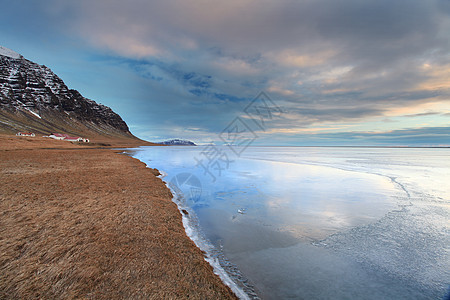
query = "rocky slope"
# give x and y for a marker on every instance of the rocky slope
(33, 98)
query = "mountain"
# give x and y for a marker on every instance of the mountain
(33, 98)
(178, 142)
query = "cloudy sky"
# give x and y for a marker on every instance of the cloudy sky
(347, 72)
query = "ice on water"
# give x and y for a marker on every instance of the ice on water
(318, 223)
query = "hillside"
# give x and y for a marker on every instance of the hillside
(33, 98)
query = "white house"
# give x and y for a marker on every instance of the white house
(25, 134)
(66, 137)
(73, 139)
(58, 136)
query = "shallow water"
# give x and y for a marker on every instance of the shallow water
(320, 223)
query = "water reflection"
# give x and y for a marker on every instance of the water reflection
(270, 208)
(303, 201)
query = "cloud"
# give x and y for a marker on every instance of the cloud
(423, 137)
(432, 113)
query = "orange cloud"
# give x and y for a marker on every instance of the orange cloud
(290, 58)
(437, 105)
(438, 77)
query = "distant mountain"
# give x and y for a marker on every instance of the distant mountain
(178, 142)
(33, 98)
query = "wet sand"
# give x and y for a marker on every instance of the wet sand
(78, 222)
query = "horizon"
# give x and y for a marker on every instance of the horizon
(312, 146)
(347, 74)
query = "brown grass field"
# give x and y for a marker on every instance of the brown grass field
(78, 222)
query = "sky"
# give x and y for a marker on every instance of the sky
(328, 72)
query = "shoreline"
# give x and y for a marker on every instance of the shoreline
(93, 224)
(190, 225)
(228, 272)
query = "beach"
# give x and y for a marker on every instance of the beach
(82, 221)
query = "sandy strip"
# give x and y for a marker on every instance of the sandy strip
(90, 223)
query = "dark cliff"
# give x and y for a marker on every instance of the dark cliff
(33, 98)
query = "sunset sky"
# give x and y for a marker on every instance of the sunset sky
(346, 72)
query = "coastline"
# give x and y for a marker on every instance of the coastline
(190, 224)
(79, 222)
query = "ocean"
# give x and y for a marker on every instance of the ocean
(316, 222)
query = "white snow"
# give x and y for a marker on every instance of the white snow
(8, 52)
(35, 114)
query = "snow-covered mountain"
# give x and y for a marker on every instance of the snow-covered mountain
(178, 142)
(9, 53)
(33, 98)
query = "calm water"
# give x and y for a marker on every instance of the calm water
(319, 223)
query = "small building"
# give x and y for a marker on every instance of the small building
(73, 139)
(25, 134)
(58, 136)
(66, 137)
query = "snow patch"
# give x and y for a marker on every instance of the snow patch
(9, 53)
(33, 113)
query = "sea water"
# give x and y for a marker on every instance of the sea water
(317, 223)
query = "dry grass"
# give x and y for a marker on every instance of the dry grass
(12, 142)
(91, 223)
